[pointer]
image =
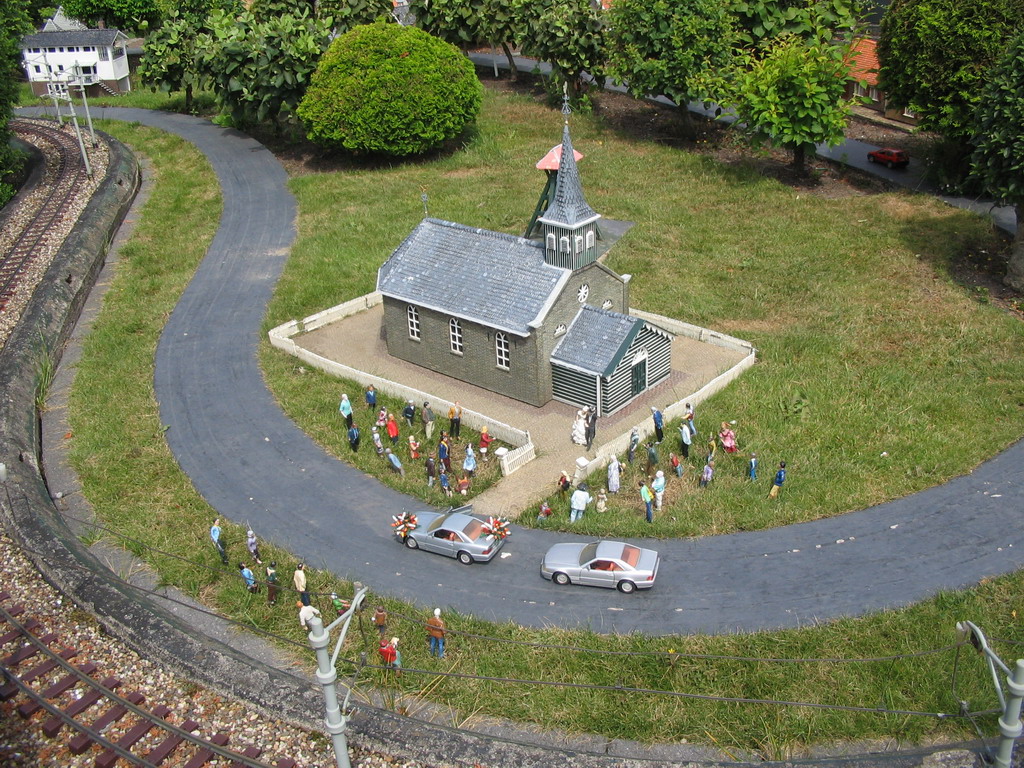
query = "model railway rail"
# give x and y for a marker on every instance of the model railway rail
(79, 703)
(69, 175)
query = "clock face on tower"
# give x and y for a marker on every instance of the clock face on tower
(582, 293)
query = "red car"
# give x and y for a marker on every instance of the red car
(892, 158)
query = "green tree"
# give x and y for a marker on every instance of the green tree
(14, 22)
(935, 55)
(998, 159)
(664, 47)
(259, 70)
(388, 89)
(126, 15)
(568, 35)
(469, 22)
(353, 13)
(169, 60)
(792, 94)
(760, 20)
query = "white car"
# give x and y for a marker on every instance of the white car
(611, 564)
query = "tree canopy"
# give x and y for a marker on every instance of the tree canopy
(126, 15)
(14, 22)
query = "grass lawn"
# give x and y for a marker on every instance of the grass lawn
(878, 375)
(137, 488)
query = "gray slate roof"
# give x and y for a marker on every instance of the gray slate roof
(597, 340)
(491, 278)
(97, 37)
(568, 206)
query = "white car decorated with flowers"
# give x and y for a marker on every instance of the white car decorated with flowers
(455, 533)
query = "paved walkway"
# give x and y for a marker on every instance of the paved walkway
(355, 341)
(252, 464)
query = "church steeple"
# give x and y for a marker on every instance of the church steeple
(569, 224)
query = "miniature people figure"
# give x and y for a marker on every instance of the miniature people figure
(272, 582)
(390, 655)
(579, 428)
(712, 447)
(602, 500)
(442, 479)
(647, 498)
(652, 457)
(248, 578)
(564, 484)
(382, 417)
(371, 397)
(463, 485)
(414, 448)
(752, 467)
(578, 502)
(353, 437)
(545, 511)
(613, 474)
(392, 428)
(299, 581)
(394, 461)
(634, 443)
(677, 465)
(409, 413)
(659, 424)
(436, 633)
(658, 486)
(217, 541)
(377, 444)
(340, 606)
(427, 417)
(591, 427)
(455, 420)
(345, 408)
(380, 621)
(469, 463)
(431, 471)
(444, 453)
(688, 416)
(685, 438)
(728, 438)
(707, 474)
(306, 612)
(780, 478)
(253, 545)
(485, 442)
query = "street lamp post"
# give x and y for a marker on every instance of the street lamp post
(327, 674)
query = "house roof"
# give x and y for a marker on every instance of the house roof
(863, 61)
(61, 21)
(97, 37)
(597, 340)
(568, 206)
(491, 278)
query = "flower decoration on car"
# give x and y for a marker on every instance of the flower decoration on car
(404, 524)
(498, 527)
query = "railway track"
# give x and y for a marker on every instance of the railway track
(80, 704)
(69, 175)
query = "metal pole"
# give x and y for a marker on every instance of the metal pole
(1009, 724)
(85, 101)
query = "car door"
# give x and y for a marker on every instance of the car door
(598, 573)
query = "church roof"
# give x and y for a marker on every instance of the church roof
(568, 205)
(491, 278)
(597, 340)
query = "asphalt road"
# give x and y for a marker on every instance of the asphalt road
(254, 466)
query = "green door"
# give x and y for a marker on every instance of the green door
(639, 376)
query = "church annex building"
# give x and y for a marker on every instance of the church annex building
(534, 321)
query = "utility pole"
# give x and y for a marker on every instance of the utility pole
(1010, 727)
(327, 673)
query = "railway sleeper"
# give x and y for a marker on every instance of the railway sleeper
(82, 741)
(134, 735)
(52, 726)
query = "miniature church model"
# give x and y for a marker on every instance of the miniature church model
(531, 320)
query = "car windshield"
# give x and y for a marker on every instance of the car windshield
(631, 555)
(588, 553)
(473, 529)
(437, 523)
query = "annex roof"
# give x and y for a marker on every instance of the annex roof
(553, 158)
(597, 340)
(568, 205)
(863, 61)
(97, 37)
(491, 278)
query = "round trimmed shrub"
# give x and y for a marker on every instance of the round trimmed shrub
(385, 88)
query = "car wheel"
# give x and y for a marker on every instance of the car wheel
(465, 558)
(560, 578)
(411, 543)
(871, 158)
(626, 587)
(889, 164)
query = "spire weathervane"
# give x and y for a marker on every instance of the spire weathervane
(566, 109)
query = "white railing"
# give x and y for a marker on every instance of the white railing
(518, 457)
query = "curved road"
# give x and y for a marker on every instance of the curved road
(254, 465)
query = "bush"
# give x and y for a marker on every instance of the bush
(384, 88)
